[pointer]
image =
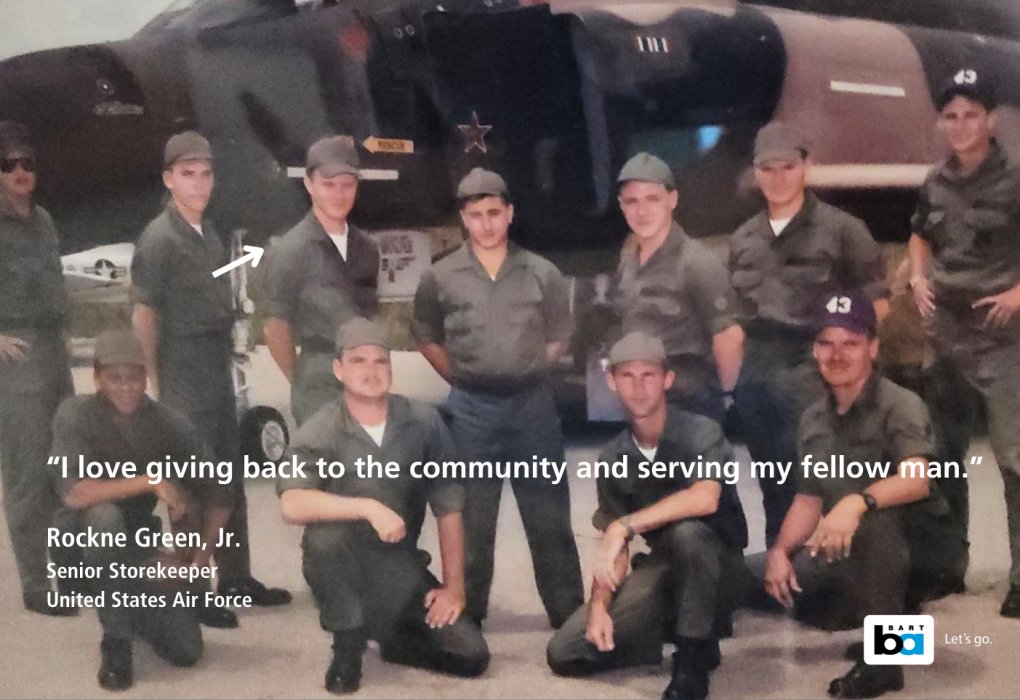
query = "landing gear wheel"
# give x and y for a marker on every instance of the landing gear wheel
(264, 435)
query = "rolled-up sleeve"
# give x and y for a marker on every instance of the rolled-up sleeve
(558, 319)
(708, 286)
(309, 445)
(909, 430)
(427, 316)
(151, 269)
(283, 284)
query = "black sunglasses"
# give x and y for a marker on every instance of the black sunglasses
(7, 165)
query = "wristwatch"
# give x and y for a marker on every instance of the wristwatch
(870, 502)
(631, 532)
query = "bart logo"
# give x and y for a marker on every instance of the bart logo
(896, 640)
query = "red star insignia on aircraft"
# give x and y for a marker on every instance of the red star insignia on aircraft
(475, 134)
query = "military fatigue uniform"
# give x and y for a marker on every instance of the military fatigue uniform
(359, 581)
(682, 296)
(33, 307)
(779, 281)
(90, 427)
(971, 224)
(683, 589)
(172, 273)
(501, 407)
(311, 287)
(898, 553)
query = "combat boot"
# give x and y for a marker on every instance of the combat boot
(693, 660)
(116, 671)
(344, 673)
(863, 681)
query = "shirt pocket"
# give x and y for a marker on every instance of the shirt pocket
(990, 224)
(745, 282)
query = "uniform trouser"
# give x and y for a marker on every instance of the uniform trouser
(954, 405)
(521, 427)
(196, 380)
(314, 385)
(361, 583)
(778, 380)
(30, 499)
(892, 552)
(684, 589)
(173, 631)
(991, 370)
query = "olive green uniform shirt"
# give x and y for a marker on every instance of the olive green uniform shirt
(33, 301)
(681, 295)
(171, 272)
(972, 224)
(782, 279)
(414, 432)
(316, 291)
(687, 437)
(493, 330)
(89, 427)
(886, 423)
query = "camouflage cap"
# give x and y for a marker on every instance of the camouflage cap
(780, 141)
(360, 331)
(120, 347)
(188, 145)
(15, 137)
(645, 167)
(332, 156)
(970, 84)
(852, 310)
(482, 182)
(637, 347)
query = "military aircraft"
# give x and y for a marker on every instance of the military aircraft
(555, 95)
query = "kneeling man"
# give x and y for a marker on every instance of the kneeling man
(369, 579)
(114, 520)
(851, 547)
(694, 526)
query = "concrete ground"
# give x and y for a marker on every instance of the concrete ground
(281, 653)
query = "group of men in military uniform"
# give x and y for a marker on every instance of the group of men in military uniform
(785, 337)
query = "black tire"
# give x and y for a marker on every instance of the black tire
(264, 435)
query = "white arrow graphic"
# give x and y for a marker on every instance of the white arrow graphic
(254, 254)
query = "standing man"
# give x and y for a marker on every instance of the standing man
(116, 425)
(492, 318)
(695, 527)
(184, 318)
(965, 234)
(322, 273)
(850, 547)
(783, 261)
(676, 289)
(369, 579)
(34, 372)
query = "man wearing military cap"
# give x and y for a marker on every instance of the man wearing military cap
(117, 425)
(673, 287)
(34, 371)
(965, 278)
(852, 546)
(369, 579)
(321, 273)
(782, 261)
(184, 318)
(681, 592)
(492, 319)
